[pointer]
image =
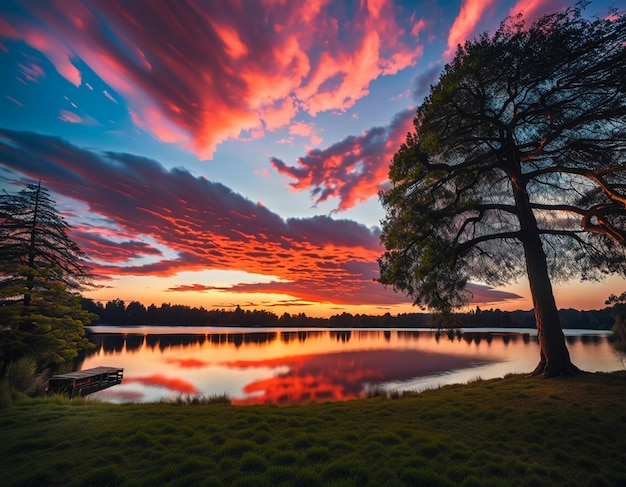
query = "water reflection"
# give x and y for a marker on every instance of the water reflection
(342, 375)
(288, 366)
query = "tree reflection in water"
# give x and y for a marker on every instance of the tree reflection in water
(298, 366)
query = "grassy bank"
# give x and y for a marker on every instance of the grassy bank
(515, 431)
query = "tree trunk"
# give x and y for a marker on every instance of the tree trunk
(554, 356)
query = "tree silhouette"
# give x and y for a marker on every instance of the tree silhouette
(41, 270)
(34, 235)
(517, 166)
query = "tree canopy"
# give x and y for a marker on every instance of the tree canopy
(41, 272)
(517, 166)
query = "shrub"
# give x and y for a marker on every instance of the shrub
(22, 375)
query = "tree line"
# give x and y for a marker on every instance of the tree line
(116, 312)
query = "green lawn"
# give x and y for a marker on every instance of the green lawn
(516, 431)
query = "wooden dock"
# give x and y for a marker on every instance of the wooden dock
(85, 382)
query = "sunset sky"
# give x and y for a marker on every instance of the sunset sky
(223, 153)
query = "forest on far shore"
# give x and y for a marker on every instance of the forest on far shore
(117, 312)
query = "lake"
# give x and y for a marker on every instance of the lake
(285, 366)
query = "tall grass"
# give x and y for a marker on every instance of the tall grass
(21, 378)
(200, 400)
(508, 432)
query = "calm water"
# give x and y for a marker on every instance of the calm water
(284, 366)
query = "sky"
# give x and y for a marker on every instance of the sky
(224, 154)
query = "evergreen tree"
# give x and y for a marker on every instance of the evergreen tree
(41, 272)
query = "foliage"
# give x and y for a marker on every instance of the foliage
(542, 107)
(41, 270)
(483, 433)
(33, 234)
(22, 375)
(21, 378)
(517, 166)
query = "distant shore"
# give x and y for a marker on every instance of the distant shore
(186, 316)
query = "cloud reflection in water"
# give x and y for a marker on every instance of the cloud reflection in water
(300, 366)
(343, 375)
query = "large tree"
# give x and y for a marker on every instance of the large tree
(41, 272)
(517, 166)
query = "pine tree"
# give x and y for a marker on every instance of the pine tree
(41, 272)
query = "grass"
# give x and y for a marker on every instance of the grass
(514, 431)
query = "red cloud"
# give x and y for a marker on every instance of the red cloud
(352, 170)
(196, 288)
(203, 224)
(198, 73)
(105, 250)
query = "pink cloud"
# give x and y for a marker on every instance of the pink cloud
(197, 74)
(60, 54)
(8, 30)
(464, 24)
(418, 27)
(304, 129)
(70, 117)
(262, 172)
(352, 170)
(204, 225)
(235, 48)
(109, 96)
(533, 9)
(301, 128)
(31, 71)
